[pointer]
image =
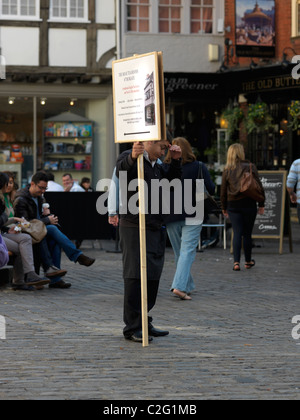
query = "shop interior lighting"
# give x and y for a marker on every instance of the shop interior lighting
(72, 101)
(11, 100)
(43, 101)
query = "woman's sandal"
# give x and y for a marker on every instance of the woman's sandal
(250, 264)
(181, 295)
(236, 267)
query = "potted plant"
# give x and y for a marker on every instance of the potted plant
(258, 117)
(233, 117)
(294, 113)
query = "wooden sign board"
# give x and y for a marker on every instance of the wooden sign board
(139, 100)
(271, 224)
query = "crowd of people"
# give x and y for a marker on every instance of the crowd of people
(19, 207)
(162, 161)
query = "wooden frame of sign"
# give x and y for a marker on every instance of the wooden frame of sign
(139, 115)
(271, 224)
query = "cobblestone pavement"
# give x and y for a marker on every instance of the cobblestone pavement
(232, 341)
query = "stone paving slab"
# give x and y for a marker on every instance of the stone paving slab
(232, 341)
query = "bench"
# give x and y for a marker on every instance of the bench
(6, 272)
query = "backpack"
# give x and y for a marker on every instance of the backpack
(3, 253)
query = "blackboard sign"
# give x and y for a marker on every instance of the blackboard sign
(271, 224)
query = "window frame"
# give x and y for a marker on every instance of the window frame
(18, 16)
(170, 19)
(138, 18)
(201, 20)
(295, 29)
(68, 18)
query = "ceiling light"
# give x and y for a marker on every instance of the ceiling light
(43, 101)
(72, 101)
(11, 100)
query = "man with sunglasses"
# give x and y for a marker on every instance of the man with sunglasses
(28, 204)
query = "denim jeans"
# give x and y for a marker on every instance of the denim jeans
(57, 240)
(184, 240)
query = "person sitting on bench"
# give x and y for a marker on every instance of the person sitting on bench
(20, 244)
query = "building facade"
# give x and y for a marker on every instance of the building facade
(57, 57)
(267, 76)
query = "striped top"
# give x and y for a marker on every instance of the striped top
(294, 178)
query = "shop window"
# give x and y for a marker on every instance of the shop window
(202, 16)
(138, 15)
(170, 16)
(69, 10)
(20, 9)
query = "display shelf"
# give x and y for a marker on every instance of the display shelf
(68, 144)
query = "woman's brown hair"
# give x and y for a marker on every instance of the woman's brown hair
(187, 152)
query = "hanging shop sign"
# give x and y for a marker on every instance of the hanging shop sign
(255, 28)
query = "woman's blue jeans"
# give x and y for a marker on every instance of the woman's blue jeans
(184, 240)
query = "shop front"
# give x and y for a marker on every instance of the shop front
(274, 146)
(61, 127)
(195, 104)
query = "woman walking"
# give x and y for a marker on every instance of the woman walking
(240, 209)
(185, 237)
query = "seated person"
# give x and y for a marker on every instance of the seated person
(4, 257)
(19, 244)
(86, 184)
(28, 204)
(70, 185)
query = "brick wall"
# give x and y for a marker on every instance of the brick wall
(283, 21)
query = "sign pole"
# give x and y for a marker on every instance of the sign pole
(143, 254)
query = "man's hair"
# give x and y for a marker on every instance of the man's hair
(39, 176)
(67, 175)
(50, 176)
(3, 180)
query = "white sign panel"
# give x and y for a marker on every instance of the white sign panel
(137, 106)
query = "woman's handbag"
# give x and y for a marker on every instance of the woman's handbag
(210, 204)
(250, 186)
(36, 229)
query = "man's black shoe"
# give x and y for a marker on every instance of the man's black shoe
(154, 332)
(84, 260)
(60, 285)
(137, 337)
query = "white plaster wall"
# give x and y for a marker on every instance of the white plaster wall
(106, 39)
(20, 46)
(100, 111)
(182, 53)
(105, 11)
(67, 47)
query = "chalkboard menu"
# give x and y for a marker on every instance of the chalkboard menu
(271, 224)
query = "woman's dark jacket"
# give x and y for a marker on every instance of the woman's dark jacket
(231, 184)
(191, 171)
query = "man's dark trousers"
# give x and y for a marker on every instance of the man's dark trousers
(155, 244)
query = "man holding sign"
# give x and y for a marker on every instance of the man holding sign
(127, 169)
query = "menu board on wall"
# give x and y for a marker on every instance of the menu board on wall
(271, 224)
(139, 98)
